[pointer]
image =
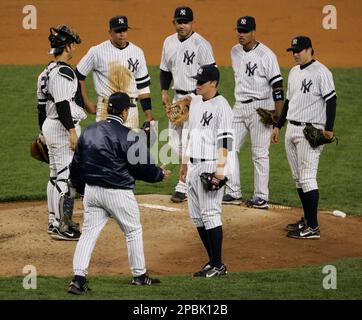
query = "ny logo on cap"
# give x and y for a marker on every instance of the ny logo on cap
(243, 21)
(183, 12)
(295, 42)
(121, 21)
(200, 71)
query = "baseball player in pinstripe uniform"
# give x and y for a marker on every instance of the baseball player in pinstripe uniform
(103, 168)
(60, 110)
(209, 140)
(117, 65)
(311, 98)
(258, 84)
(182, 54)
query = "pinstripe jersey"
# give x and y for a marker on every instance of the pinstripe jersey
(210, 122)
(309, 89)
(183, 59)
(255, 72)
(116, 69)
(55, 87)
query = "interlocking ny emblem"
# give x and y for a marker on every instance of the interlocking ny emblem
(189, 59)
(243, 21)
(120, 21)
(183, 12)
(206, 119)
(250, 69)
(133, 66)
(306, 86)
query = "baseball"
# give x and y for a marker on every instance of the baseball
(338, 213)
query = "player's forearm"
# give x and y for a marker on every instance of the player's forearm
(90, 106)
(221, 161)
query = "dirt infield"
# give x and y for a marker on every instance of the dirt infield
(277, 22)
(253, 239)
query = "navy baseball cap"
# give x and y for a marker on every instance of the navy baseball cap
(300, 43)
(207, 72)
(118, 23)
(246, 24)
(118, 101)
(184, 13)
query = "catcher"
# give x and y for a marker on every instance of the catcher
(209, 141)
(310, 109)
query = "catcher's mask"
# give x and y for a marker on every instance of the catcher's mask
(61, 36)
(118, 102)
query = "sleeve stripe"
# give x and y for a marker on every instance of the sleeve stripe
(225, 134)
(275, 79)
(143, 85)
(42, 100)
(143, 78)
(329, 95)
(229, 136)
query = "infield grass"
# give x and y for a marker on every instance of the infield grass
(282, 284)
(339, 176)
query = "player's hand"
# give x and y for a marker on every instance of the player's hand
(328, 134)
(166, 172)
(165, 98)
(275, 135)
(73, 138)
(183, 172)
(91, 107)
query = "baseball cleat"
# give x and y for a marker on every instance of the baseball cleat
(216, 272)
(305, 233)
(179, 197)
(76, 288)
(229, 199)
(203, 271)
(70, 235)
(145, 280)
(257, 203)
(51, 228)
(296, 226)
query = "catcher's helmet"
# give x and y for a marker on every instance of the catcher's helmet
(61, 36)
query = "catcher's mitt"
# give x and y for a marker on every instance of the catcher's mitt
(178, 112)
(267, 116)
(210, 182)
(316, 136)
(39, 150)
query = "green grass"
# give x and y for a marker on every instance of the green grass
(297, 283)
(339, 176)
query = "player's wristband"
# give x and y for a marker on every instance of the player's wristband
(278, 95)
(146, 104)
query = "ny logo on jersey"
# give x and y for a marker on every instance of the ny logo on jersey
(189, 58)
(133, 66)
(306, 86)
(206, 119)
(250, 69)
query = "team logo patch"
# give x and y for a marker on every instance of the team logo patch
(206, 119)
(250, 69)
(243, 21)
(121, 21)
(182, 12)
(133, 65)
(306, 86)
(189, 58)
(295, 42)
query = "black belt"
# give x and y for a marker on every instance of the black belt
(247, 101)
(184, 92)
(297, 123)
(192, 160)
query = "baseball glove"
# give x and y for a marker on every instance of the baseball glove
(178, 112)
(39, 149)
(267, 116)
(316, 136)
(210, 182)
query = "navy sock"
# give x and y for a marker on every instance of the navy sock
(205, 241)
(302, 200)
(80, 279)
(311, 205)
(215, 236)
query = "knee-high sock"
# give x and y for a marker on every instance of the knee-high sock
(215, 236)
(302, 200)
(311, 205)
(205, 241)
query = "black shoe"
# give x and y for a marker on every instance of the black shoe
(145, 280)
(228, 199)
(216, 272)
(305, 233)
(296, 226)
(203, 271)
(179, 197)
(76, 288)
(69, 235)
(257, 203)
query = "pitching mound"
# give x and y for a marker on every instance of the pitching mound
(253, 239)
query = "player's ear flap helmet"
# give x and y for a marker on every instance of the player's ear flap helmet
(61, 36)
